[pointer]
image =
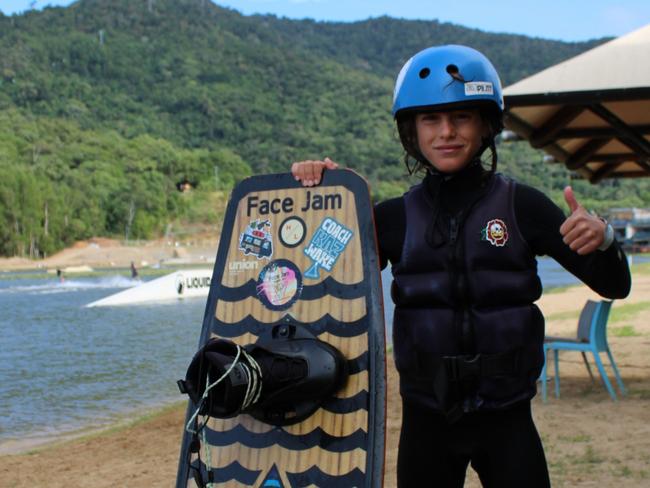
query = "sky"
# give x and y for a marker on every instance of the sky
(566, 20)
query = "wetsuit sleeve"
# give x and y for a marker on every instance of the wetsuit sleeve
(390, 222)
(539, 219)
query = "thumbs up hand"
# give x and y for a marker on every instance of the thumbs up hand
(581, 231)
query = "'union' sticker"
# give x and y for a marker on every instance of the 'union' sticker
(495, 232)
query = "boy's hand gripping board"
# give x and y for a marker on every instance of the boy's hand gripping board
(307, 255)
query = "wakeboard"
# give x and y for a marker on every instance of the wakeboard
(308, 256)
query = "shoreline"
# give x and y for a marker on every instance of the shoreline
(120, 421)
(104, 253)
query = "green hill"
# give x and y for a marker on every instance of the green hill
(106, 104)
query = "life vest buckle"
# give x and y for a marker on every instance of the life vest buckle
(462, 367)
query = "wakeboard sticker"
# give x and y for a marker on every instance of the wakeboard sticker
(307, 255)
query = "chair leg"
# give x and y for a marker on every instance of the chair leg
(556, 361)
(617, 375)
(584, 358)
(603, 375)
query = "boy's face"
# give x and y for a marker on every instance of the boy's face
(450, 139)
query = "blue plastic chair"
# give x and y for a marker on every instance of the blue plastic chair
(591, 337)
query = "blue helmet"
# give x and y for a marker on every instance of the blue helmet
(444, 75)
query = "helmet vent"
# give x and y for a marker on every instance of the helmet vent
(452, 69)
(424, 72)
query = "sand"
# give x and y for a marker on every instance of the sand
(102, 253)
(589, 439)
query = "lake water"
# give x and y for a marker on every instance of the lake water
(63, 366)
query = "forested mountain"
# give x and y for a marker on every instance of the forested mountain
(106, 104)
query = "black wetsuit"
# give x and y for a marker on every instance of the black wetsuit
(502, 446)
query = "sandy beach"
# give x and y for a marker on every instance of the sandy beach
(590, 440)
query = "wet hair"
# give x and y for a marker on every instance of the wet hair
(415, 161)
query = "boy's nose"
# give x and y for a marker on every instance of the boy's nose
(447, 128)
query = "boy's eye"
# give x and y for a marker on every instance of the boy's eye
(430, 117)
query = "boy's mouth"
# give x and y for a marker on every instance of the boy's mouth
(448, 147)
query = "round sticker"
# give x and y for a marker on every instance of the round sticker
(279, 284)
(292, 231)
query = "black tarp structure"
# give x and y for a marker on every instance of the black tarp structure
(590, 112)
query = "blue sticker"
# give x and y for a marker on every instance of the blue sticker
(327, 244)
(279, 284)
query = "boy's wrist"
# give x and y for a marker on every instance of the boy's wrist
(609, 235)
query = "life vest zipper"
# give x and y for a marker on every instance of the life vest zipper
(462, 318)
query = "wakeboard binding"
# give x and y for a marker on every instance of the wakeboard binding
(281, 379)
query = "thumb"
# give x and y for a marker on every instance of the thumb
(570, 199)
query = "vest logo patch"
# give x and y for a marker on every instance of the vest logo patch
(495, 232)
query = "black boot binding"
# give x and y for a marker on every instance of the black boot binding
(280, 380)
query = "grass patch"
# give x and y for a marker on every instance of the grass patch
(625, 331)
(575, 438)
(622, 472)
(17, 275)
(642, 394)
(558, 468)
(557, 289)
(589, 457)
(642, 268)
(621, 312)
(571, 314)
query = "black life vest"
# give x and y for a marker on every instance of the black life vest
(464, 310)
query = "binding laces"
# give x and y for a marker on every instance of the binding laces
(253, 391)
(253, 387)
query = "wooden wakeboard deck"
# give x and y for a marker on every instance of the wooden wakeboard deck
(308, 254)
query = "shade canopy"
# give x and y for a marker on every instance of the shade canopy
(590, 112)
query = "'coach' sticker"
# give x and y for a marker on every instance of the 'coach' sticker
(327, 244)
(478, 88)
(495, 232)
(279, 284)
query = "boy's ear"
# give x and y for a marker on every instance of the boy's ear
(486, 131)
